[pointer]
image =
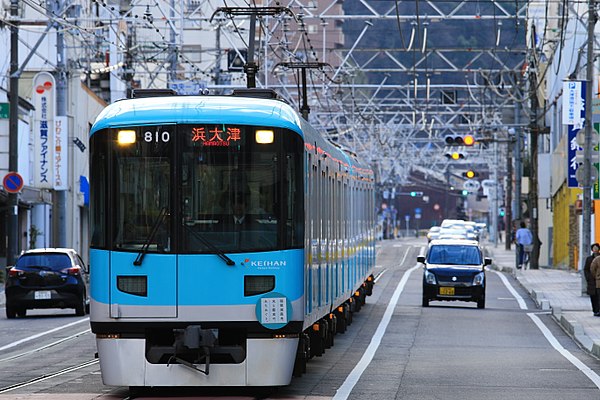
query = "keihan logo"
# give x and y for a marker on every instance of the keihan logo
(42, 88)
(265, 263)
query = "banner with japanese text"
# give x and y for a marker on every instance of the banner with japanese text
(61, 146)
(574, 117)
(44, 114)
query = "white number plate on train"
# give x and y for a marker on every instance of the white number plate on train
(42, 295)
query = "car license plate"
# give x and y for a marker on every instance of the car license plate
(447, 291)
(42, 295)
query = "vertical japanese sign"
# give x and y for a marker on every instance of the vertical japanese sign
(61, 135)
(44, 101)
(573, 116)
(596, 149)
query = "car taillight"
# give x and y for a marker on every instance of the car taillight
(72, 271)
(15, 272)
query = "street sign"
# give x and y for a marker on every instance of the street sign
(12, 182)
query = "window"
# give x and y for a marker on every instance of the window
(141, 182)
(454, 255)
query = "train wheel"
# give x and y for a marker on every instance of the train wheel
(316, 341)
(370, 284)
(332, 330)
(349, 314)
(341, 324)
(302, 355)
(324, 333)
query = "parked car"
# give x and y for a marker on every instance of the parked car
(47, 278)
(454, 270)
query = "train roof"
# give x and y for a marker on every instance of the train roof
(198, 109)
(256, 111)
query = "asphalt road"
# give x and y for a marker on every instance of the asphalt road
(395, 349)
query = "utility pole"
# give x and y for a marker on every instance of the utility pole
(518, 173)
(217, 70)
(12, 223)
(508, 204)
(587, 148)
(172, 46)
(494, 210)
(534, 131)
(60, 196)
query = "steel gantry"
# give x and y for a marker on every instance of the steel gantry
(395, 76)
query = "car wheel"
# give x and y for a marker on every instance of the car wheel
(425, 302)
(481, 302)
(80, 307)
(11, 312)
(21, 312)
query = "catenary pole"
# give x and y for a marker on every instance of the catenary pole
(60, 196)
(12, 223)
(587, 148)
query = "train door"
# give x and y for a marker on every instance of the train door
(143, 264)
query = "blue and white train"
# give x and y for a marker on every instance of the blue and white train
(229, 242)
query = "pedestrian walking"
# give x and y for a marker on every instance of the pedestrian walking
(595, 269)
(591, 279)
(524, 240)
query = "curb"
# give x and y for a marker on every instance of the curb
(572, 327)
(577, 331)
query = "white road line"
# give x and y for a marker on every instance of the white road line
(564, 352)
(549, 337)
(28, 338)
(512, 290)
(344, 391)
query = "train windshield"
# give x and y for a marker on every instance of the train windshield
(240, 191)
(197, 189)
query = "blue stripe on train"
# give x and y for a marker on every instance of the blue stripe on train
(193, 279)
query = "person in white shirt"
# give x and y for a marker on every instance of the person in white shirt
(523, 238)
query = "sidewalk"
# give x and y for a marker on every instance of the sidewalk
(557, 291)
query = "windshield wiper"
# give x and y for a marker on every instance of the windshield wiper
(161, 216)
(211, 246)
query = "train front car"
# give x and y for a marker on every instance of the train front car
(197, 241)
(230, 242)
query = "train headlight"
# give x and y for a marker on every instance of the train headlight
(126, 136)
(264, 136)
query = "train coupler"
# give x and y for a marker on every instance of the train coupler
(193, 339)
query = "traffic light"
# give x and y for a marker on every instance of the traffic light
(459, 140)
(468, 140)
(455, 155)
(465, 192)
(454, 140)
(470, 174)
(416, 194)
(501, 211)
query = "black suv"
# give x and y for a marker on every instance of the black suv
(47, 278)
